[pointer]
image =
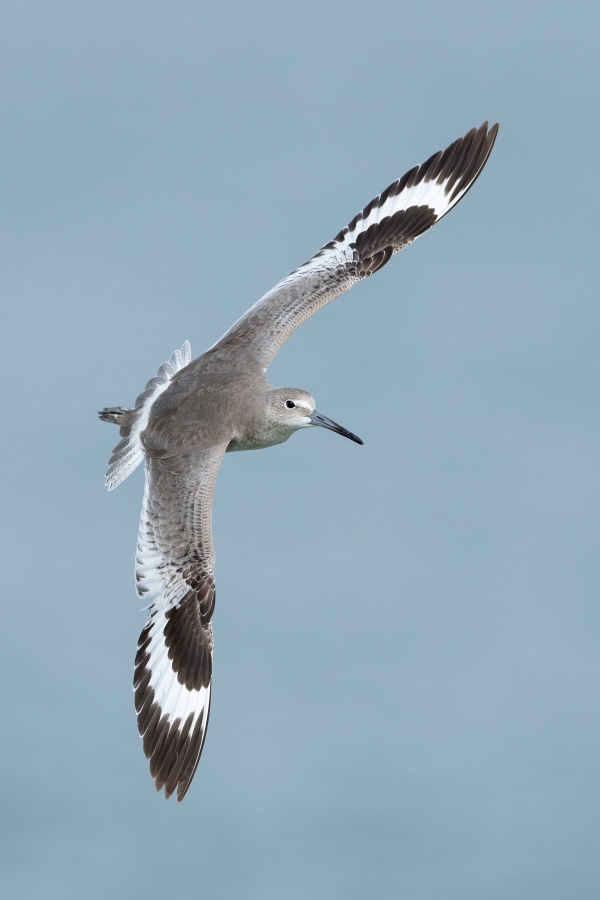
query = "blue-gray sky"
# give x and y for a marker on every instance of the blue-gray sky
(406, 664)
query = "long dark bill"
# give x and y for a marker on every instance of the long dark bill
(317, 419)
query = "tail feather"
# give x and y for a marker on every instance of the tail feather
(114, 414)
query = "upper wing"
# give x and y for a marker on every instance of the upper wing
(391, 221)
(175, 574)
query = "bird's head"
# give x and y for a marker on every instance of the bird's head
(292, 408)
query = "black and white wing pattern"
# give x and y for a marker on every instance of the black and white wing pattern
(175, 576)
(405, 210)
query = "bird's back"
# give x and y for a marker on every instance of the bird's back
(209, 401)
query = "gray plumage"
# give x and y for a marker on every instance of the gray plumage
(193, 412)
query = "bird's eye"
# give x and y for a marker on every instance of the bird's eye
(290, 404)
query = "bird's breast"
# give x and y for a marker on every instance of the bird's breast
(258, 440)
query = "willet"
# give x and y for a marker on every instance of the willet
(192, 412)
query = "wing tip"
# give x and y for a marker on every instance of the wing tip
(474, 151)
(172, 718)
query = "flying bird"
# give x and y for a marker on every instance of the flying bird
(194, 411)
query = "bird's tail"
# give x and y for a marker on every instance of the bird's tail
(114, 414)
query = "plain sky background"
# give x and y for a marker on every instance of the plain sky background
(407, 633)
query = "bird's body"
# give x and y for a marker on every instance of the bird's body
(193, 412)
(202, 405)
